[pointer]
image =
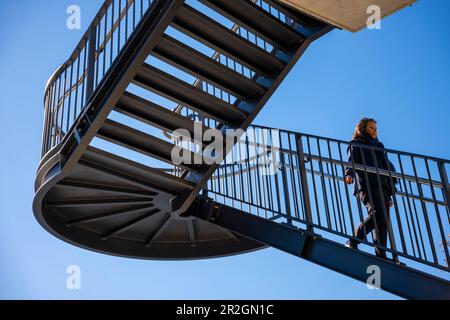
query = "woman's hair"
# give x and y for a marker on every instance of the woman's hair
(360, 128)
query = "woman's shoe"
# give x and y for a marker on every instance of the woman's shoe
(351, 244)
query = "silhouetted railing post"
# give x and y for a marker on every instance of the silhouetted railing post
(304, 183)
(385, 211)
(45, 126)
(286, 196)
(92, 50)
(445, 183)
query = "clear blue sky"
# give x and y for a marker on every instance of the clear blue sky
(400, 75)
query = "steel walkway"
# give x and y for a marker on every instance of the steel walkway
(286, 190)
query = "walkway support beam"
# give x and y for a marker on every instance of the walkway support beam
(397, 279)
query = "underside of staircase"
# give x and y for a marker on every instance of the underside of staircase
(103, 201)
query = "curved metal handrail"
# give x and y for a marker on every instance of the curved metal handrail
(73, 83)
(101, 48)
(79, 47)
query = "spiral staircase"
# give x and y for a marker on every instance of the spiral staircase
(107, 180)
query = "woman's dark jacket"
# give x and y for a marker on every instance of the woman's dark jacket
(364, 155)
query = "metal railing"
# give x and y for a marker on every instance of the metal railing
(69, 89)
(299, 179)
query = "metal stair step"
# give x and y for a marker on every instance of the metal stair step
(225, 41)
(129, 224)
(155, 115)
(258, 21)
(152, 177)
(93, 202)
(92, 186)
(141, 142)
(107, 214)
(201, 66)
(181, 92)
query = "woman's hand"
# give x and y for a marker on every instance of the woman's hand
(348, 179)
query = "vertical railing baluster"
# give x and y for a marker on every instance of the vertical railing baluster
(424, 210)
(347, 194)
(70, 97)
(111, 46)
(295, 197)
(91, 61)
(255, 174)
(249, 174)
(119, 36)
(409, 224)
(417, 221)
(394, 200)
(105, 45)
(267, 168)
(445, 183)
(51, 110)
(97, 55)
(387, 218)
(134, 15)
(341, 203)
(62, 106)
(85, 79)
(410, 208)
(277, 186)
(313, 179)
(233, 177)
(333, 177)
(324, 186)
(331, 196)
(58, 110)
(304, 184)
(287, 200)
(438, 216)
(358, 202)
(126, 19)
(45, 125)
(369, 192)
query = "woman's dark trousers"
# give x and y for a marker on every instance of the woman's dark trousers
(376, 213)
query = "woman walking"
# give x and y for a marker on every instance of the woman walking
(374, 191)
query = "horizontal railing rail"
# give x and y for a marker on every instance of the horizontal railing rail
(69, 89)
